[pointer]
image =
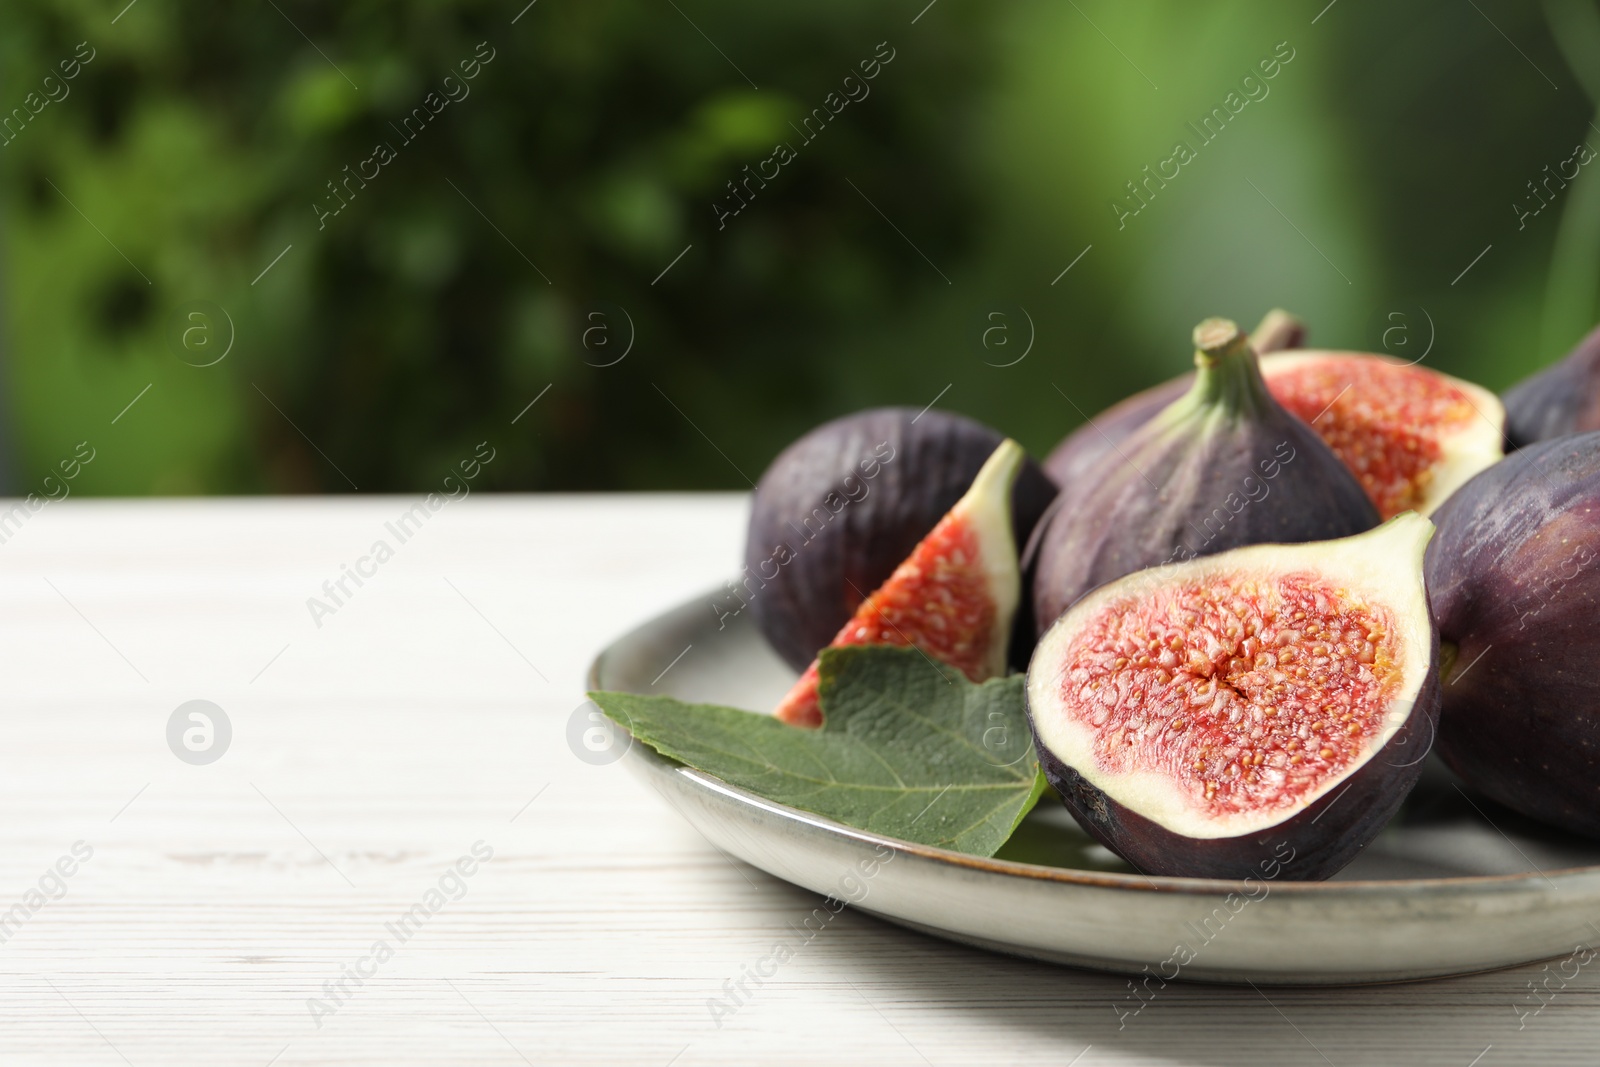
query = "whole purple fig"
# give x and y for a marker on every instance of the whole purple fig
(1085, 448)
(1516, 593)
(844, 505)
(1222, 466)
(1561, 399)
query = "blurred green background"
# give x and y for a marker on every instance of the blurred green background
(524, 237)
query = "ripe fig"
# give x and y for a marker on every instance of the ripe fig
(954, 597)
(1220, 467)
(1561, 399)
(841, 507)
(1259, 710)
(1516, 593)
(1084, 450)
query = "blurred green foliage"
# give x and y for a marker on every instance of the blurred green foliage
(522, 239)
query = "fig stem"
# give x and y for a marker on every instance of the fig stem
(1226, 374)
(1278, 330)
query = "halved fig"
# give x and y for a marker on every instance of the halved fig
(1561, 399)
(841, 507)
(1412, 435)
(1085, 449)
(1263, 707)
(1516, 593)
(954, 597)
(1222, 466)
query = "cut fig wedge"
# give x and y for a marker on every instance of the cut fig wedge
(1412, 435)
(1261, 710)
(954, 597)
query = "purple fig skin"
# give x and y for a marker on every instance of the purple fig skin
(838, 552)
(1561, 399)
(1322, 837)
(1515, 590)
(1221, 467)
(1094, 444)
(1084, 450)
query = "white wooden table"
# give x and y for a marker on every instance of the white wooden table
(427, 714)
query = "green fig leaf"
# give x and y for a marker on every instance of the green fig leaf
(908, 748)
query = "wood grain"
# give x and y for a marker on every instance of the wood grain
(429, 713)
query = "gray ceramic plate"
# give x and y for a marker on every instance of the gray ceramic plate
(1452, 886)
